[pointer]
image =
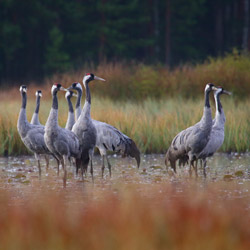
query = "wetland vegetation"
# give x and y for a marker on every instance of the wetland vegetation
(146, 208)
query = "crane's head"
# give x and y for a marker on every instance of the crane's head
(220, 91)
(57, 87)
(69, 94)
(76, 85)
(23, 89)
(39, 93)
(209, 87)
(90, 77)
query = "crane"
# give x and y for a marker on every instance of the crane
(190, 142)
(31, 135)
(217, 134)
(61, 142)
(109, 138)
(84, 127)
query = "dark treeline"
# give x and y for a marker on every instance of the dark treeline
(39, 38)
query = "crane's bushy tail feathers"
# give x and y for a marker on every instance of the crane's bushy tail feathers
(133, 151)
(82, 163)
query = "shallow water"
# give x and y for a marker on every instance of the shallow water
(20, 174)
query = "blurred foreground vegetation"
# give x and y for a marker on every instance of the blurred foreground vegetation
(109, 215)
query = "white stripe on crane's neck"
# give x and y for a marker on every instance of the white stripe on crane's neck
(217, 100)
(78, 101)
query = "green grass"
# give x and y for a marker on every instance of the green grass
(151, 124)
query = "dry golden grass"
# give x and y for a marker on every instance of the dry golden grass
(152, 124)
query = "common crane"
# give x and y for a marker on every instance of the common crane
(62, 142)
(217, 134)
(109, 138)
(84, 127)
(190, 142)
(31, 135)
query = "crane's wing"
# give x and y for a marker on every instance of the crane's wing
(110, 138)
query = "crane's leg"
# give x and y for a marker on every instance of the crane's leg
(173, 165)
(109, 165)
(103, 165)
(65, 171)
(190, 167)
(196, 168)
(91, 153)
(38, 163)
(201, 163)
(204, 167)
(58, 166)
(46, 157)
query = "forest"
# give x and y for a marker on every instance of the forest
(41, 38)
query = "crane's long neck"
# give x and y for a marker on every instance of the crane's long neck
(52, 122)
(78, 103)
(219, 115)
(22, 123)
(206, 120)
(37, 104)
(35, 116)
(71, 118)
(87, 105)
(71, 110)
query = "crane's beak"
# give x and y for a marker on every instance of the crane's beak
(69, 88)
(74, 95)
(99, 78)
(62, 88)
(214, 88)
(227, 92)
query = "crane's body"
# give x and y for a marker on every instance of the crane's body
(84, 127)
(109, 138)
(31, 135)
(61, 142)
(190, 142)
(217, 134)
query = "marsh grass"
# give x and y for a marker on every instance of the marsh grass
(151, 123)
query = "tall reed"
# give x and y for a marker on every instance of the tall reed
(151, 123)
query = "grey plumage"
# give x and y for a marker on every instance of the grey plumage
(71, 118)
(84, 127)
(191, 141)
(35, 121)
(35, 116)
(62, 142)
(108, 137)
(31, 135)
(217, 134)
